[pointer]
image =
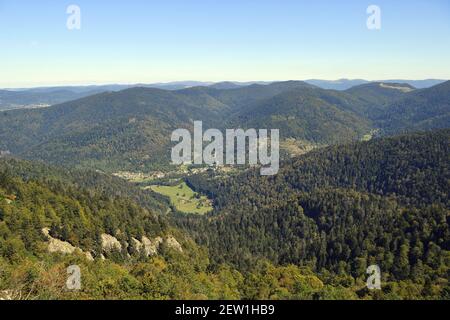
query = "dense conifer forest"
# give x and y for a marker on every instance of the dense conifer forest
(308, 233)
(369, 188)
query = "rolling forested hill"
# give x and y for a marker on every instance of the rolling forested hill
(51, 218)
(376, 97)
(31, 98)
(110, 130)
(307, 233)
(131, 129)
(420, 110)
(126, 130)
(345, 84)
(44, 96)
(308, 114)
(91, 181)
(340, 209)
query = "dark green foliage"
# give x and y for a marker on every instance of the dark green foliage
(131, 129)
(320, 222)
(25, 98)
(79, 214)
(91, 181)
(339, 209)
(376, 97)
(307, 114)
(420, 110)
(74, 214)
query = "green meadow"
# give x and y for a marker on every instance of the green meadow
(184, 198)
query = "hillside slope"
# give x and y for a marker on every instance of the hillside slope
(315, 115)
(123, 250)
(342, 208)
(419, 110)
(38, 98)
(126, 130)
(120, 130)
(130, 130)
(375, 97)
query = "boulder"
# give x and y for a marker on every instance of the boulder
(171, 242)
(110, 243)
(59, 246)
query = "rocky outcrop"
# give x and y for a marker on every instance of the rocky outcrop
(147, 246)
(59, 246)
(150, 247)
(171, 242)
(55, 245)
(7, 295)
(110, 243)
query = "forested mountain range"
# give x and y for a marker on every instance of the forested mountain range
(91, 181)
(33, 99)
(307, 233)
(375, 98)
(309, 114)
(51, 218)
(131, 129)
(339, 209)
(420, 110)
(44, 96)
(345, 84)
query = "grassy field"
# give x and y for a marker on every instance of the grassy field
(184, 198)
(297, 147)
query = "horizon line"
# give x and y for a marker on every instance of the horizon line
(100, 84)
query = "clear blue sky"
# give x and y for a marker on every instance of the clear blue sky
(151, 41)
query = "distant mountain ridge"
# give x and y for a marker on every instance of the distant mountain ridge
(36, 98)
(131, 129)
(125, 130)
(345, 84)
(392, 190)
(44, 96)
(307, 114)
(423, 109)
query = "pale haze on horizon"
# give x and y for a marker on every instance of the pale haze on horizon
(163, 41)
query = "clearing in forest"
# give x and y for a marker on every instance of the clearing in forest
(184, 198)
